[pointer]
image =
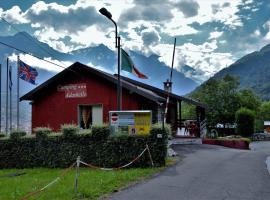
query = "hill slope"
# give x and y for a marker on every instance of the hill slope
(253, 71)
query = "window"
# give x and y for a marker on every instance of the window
(89, 115)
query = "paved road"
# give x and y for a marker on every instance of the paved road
(208, 173)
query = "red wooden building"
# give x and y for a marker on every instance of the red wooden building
(83, 95)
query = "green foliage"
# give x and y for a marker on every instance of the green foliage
(221, 96)
(245, 119)
(61, 151)
(188, 111)
(2, 135)
(249, 100)
(224, 99)
(264, 111)
(69, 130)
(17, 134)
(42, 132)
(100, 132)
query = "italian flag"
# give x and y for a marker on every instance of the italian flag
(128, 65)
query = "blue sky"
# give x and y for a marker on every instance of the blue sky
(211, 34)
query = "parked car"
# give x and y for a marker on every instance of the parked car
(261, 136)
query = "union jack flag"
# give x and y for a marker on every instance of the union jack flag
(27, 73)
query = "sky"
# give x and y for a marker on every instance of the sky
(211, 34)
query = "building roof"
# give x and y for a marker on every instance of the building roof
(164, 93)
(78, 69)
(147, 91)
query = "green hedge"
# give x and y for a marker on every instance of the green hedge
(42, 132)
(17, 134)
(61, 151)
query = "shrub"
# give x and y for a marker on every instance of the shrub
(157, 130)
(100, 132)
(245, 120)
(17, 134)
(69, 130)
(42, 132)
(61, 151)
(2, 135)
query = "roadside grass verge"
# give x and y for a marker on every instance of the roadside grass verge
(92, 183)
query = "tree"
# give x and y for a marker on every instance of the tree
(262, 115)
(249, 100)
(245, 119)
(264, 111)
(222, 98)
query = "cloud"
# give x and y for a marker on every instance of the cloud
(70, 19)
(197, 57)
(157, 11)
(37, 63)
(215, 35)
(188, 7)
(14, 15)
(150, 37)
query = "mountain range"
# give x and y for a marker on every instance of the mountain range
(253, 71)
(99, 56)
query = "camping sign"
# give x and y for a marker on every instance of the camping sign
(136, 122)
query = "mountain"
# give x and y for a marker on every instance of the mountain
(158, 72)
(195, 74)
(100, 57)
(253, 71)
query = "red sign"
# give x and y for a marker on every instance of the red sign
(114, 118)
(73, 90)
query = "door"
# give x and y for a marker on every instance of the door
(97, 114)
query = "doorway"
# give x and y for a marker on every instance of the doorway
(89, 115)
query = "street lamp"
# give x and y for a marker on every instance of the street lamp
(107, 14)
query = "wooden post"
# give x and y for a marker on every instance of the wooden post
(152, 163)
(77, 174)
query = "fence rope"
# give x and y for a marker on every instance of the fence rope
(114, 168)
(30, 194)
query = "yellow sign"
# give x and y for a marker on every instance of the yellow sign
(142, 123)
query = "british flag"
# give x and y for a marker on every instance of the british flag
(27, 73)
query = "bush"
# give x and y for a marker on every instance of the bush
(100, 132)
(62, 151)
(245, 120)
(42, 132)
(17, 134)
(2, 135)
(69, 130)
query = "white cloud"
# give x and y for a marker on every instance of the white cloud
(92, 36)
(197, 57)
(256, 34)
(83, 32)
(35, 62)
(13, 15)
(215, 35)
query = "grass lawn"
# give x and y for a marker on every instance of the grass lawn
(92, 183)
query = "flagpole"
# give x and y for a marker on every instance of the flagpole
(170, 85)
(119, 92)
(0, 98)
(7, 99)
(10, 98)
(18, 93)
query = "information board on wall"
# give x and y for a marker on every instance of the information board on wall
(131, 122)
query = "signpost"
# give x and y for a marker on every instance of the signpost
(136, 122)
